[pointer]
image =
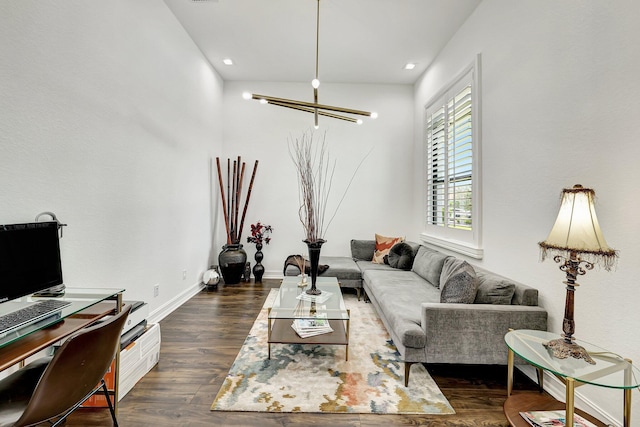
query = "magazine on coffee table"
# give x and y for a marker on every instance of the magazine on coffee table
(309, 327)
(553, 419)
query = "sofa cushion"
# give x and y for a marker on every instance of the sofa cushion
(494, 289)
(458, 282)
(399, 295)
(362, 249)
(428, 265)
(368, 265)
(383, 245)
(401, 256)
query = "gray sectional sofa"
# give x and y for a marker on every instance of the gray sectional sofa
(438, 308)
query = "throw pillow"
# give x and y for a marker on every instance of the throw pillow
(362, 249)
(458, 282)
(383, 245)
(428, 265)
(494, 289)
(401, 256)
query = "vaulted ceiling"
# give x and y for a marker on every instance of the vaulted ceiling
(361, 41)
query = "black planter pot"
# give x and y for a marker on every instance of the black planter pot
(314, 259)
(258, 269)
(232, 262)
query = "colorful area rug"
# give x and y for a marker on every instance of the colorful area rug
(316, 378)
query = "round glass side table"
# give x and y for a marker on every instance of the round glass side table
(610, 370)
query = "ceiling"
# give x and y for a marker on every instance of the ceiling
(361, 41)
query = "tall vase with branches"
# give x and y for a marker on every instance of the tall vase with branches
(315, 172)
(233, 258)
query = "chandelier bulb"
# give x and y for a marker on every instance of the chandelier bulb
(359, 121)
(246, 95)
(263, 101)
(315, 83)
(374, 115)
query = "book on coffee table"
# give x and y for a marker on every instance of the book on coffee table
(318, 299)
(553, 419)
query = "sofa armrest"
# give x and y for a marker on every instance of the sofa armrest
(474, 333)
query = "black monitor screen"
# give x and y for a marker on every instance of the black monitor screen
(29, 259)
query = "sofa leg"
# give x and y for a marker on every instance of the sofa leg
(358, 293)
(366, 297)
(407, 369)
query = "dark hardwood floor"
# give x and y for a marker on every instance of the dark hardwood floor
(200, 341)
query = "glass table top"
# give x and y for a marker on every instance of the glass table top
(293, 302)
(80, 299)
(610, 370)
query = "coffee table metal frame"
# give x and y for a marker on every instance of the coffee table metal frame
(291, 303)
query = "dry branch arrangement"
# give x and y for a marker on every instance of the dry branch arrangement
(231, 201)
(315, 173)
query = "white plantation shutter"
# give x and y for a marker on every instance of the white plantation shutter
(449, 157)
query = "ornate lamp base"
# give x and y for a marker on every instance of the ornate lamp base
(563, 349)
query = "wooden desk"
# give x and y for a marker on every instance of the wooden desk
(95, 307)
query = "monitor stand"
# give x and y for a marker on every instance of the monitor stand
(54, 291)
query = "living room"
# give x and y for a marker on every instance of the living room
(112, 118)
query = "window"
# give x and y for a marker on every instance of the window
(452, 164)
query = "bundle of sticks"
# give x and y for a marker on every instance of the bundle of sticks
(231, 201)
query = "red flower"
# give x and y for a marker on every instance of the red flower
(260, 233)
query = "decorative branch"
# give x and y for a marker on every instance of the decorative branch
(315, 173)
(224, 205)
(246, 203)
(231, 200)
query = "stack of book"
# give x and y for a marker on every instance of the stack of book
(553, 418)
(311, 326)
(318, 299)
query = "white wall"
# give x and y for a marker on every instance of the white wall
(381, 190)
(560, 104)
(110, 116)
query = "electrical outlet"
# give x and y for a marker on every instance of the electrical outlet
(156, 290)
(184, 274)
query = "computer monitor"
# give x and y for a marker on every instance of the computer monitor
(29, 259)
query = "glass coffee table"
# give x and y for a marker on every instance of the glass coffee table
(292, 304)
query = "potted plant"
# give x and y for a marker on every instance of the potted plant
(260, 234)
(233, 258)
(315, 172)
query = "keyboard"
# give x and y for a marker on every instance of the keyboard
(30, 314)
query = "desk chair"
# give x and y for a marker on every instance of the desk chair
(51, 388)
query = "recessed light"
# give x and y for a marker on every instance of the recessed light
(227, 61)
(409, 66)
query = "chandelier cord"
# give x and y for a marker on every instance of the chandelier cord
(314, 107)
(317, 36)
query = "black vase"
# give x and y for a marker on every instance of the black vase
(258, 269)
(314, 259)
(232, 260)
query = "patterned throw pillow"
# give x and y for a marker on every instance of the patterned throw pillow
(458, 282)
(383, 245)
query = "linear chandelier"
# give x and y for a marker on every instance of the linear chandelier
(314, 107)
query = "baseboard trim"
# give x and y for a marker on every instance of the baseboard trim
(168, 307)
(556, 389)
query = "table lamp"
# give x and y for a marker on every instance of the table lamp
(577, 242)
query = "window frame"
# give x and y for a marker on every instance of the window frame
(466, 242)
